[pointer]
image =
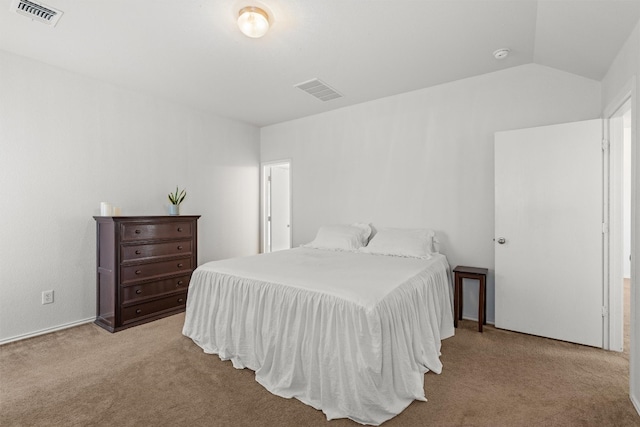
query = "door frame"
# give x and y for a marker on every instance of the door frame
(612, 216)
(264, 200)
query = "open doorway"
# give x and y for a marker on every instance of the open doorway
(276, 206)
(620, 226)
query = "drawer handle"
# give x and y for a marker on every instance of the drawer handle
(180, 265)
(180, 300)
(138, 252)
(138, 231)
(138, 291)
(179, 283)
(179, 228)
(180, 247)
(138, 311)
(138, 272)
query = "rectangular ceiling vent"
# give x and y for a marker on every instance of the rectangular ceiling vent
(319, 89)
(36, 11)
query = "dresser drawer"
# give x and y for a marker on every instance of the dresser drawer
(134, 273)
(165, 230)
(136, 252)
(152, 308)
(145, 290)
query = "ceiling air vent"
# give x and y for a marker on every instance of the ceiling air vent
(36, 11)
(319, 89)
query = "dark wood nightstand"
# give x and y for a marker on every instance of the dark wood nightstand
(480, 274)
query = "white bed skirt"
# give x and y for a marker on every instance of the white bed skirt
(362, 363)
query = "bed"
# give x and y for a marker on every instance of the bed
(350, 331)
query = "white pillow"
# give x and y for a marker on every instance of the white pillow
(406, 242)
(341, 237)
(366, 231)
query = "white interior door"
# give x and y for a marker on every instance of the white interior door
(549, 231)
(280, 210)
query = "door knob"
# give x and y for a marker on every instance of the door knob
(501, 240)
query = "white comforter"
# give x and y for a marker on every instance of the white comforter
(350, 334)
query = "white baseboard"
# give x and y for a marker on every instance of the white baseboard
(635, 403)
(475, 319)
(47, 330)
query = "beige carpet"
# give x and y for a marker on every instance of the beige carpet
(153, 376)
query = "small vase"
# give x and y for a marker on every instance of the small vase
(174, 209)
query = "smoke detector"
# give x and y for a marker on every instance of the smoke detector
(36, 11)
(501, 53)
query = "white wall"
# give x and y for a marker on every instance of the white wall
(422, 159)
(66, 144)
(625, 69)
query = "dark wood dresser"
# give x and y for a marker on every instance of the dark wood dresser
(144, 264)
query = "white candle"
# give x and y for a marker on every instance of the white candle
(105, 209)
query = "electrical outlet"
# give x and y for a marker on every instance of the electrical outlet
(47, 297)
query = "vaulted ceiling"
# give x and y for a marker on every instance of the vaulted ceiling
(191, 51)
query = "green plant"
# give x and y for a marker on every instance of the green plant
(177, 197)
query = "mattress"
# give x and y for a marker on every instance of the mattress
(350, 334)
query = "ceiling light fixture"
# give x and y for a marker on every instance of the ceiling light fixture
(501, 53)
(253, 22)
